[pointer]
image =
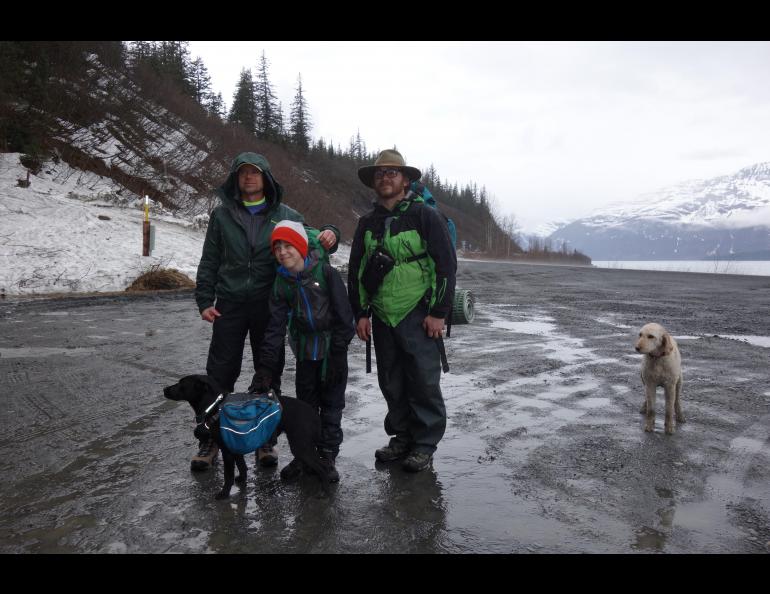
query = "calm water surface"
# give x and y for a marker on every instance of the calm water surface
(752, 267)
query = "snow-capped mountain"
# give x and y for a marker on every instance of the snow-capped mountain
(725, 217)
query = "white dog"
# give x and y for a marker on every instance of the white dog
(661, 367)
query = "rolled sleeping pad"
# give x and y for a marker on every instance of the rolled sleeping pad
(462, 308)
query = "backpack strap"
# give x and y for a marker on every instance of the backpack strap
(207, 416)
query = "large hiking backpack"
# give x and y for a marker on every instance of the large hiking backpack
(420, 189)
(246, 421)
(463, 303)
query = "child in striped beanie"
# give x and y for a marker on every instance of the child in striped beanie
(310, 301)
(288, 242)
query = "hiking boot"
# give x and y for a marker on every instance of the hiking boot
(417, 461)
(392, 452)
(331, 471)
(267, 456)
(205, 457)
(292, 471)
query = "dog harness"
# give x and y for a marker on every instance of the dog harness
(207, 417)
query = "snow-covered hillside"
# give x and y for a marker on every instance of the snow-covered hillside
(139, 141)
(72, 231)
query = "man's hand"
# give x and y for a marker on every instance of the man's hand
(434, 327)
(210, 314)
(364, 329)
(327, 239)
(261, 381)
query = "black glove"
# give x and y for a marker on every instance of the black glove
(336, 367)
(261, 381)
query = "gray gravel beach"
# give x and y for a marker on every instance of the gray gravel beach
(544, 450)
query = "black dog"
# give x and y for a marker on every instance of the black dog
(298, 420)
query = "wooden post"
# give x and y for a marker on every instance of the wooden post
(146, 228)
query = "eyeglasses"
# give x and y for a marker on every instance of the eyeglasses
(389, 172)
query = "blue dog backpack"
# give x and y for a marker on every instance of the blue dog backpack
(247, 420)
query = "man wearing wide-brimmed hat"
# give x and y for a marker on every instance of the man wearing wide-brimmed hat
(402, 272)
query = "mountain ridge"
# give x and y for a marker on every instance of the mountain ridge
(726, 216)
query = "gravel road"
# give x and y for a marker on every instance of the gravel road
(544, 450)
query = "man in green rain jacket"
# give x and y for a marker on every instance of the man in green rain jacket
(236, 274)
(408, 306)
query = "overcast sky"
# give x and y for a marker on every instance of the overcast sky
(552, 129)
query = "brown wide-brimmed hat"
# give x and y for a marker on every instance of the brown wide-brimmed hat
(387, 158)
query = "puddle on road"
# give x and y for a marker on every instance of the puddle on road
(536, 327)
(760, 341)
(557, 346)
(557, 392)
(593, 402)
(746, 443)
(36, 352)
(611, 322)
(567, 414)
(533, 402)
(649, 539)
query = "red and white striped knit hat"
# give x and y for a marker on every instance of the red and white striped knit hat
(291, 232)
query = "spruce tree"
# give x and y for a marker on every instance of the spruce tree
(299, 121)
(268, 115)
(216, 106)
(279, 123)
(200, 82)
(242, 111)
(173, 63)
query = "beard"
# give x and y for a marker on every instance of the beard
(386, 191)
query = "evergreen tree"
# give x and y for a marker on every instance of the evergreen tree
(299, 121)
(483, 200)
(430, 176)
(174, 64)
(200, 82)
(279, 122)
(139, 52)
(216, 106)
(169, 59)
(242, 111)
(360, 148)
(268, 116)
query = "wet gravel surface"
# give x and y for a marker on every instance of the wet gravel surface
(544, 450)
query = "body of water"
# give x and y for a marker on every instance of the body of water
(752, 267)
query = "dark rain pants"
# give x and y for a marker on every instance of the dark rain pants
(327, 400)
(408, 371)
